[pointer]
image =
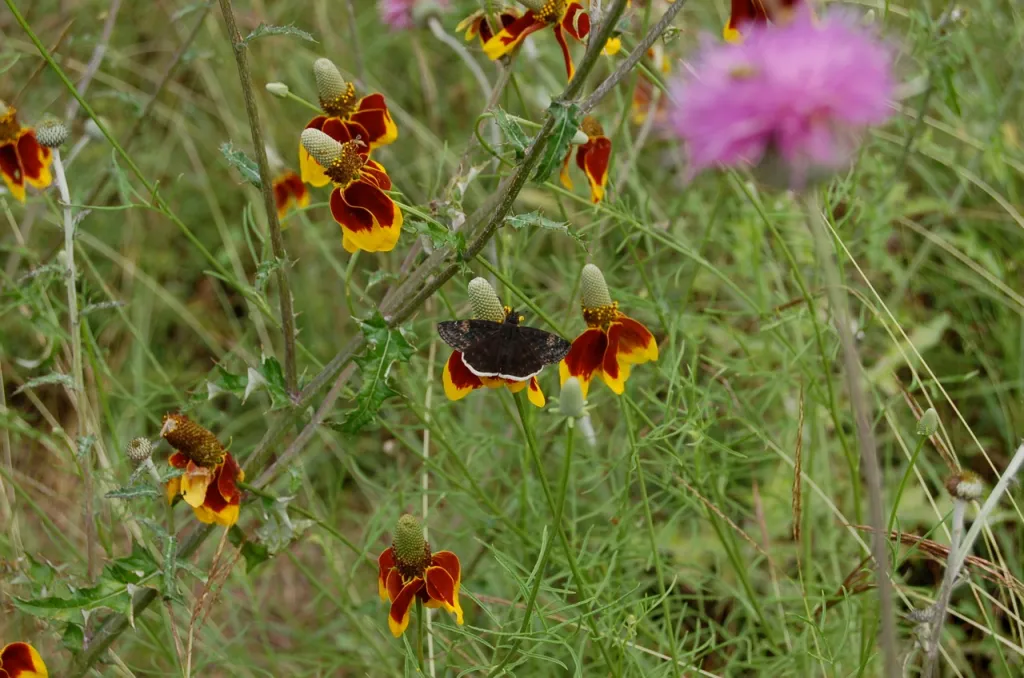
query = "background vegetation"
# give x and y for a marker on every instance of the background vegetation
(698, 545)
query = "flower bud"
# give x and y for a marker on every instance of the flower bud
(595, 289)
(139, 450)
(571, 401)
(196, 442)
(278, 89)
(51, 132)
(965, 486)
(410, 549)
(929, 422)
(486, 305)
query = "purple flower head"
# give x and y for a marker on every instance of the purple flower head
(402, 15)
(796, 94)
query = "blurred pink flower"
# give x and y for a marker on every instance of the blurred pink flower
(791, 97)
(401, 15)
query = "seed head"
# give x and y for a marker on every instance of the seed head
(194, 441)
(323, 148)
(595, 289)
(571, 402)
(929, 422)
(336, 96)
(486, 305)
(278, 89)
(965, 486)
(139, 450)
(51, 131)
(411, 550)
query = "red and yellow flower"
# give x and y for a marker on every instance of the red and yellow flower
(288, 191)
(20, 660)
(612, 342)
(592, 157)
(22, 158)
(209, 483)
(408, 571)
(369, 218)
(754, 12)
(366, 119)
(478, 25)
(563, 16)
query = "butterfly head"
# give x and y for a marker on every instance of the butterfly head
(511, 317)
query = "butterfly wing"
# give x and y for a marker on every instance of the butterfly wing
(462, 334)
(515, 353)
(548, 348)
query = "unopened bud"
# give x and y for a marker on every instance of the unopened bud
(51, 132)
(486, 305)
(595, 289)
(139, 450)
(965, 486)
(571, 402)
(278, 89)
(325, 150)
(929, 422)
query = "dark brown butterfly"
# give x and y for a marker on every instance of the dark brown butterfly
(506, 350)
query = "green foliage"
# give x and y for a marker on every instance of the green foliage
(538, 220)
(567, 121)
(513, 132)
(385, 347)
(245, 165)
(264, 30)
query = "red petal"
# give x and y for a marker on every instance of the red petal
(512, 34)
(374, 173)
(281, 197)
(10, 166)
(178, 460)
(372, 113)
(440, 585)
(227, 475)
(385, 563)
(458, 380)
(21, 659)
(338, 130)
(362, 194)
(398, 617)
(594, 162)
(34, 158)
(560, 37)
(450, 562)
(634, 342)
(586, 353)
(317, 122)
(576, 22)
(351, 218)
(394, 584)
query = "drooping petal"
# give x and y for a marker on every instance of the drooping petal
(309, 169)
(385, 563)
(576, 21)
(35, 159)
(372, 113)
(563, 176)
(442, 587)
(374, 173)
(509, 37)
(398, 617)
(20, 660)
(394, 584)
(584, 358)
(458, 380)
(228, 474)
(281, 199)
(194, 484)
(535, 395)
(515, 386)
(173, 489)
(570, 68)
(450, 562)
(472, 25)
(10, 167)
(593, 158)
(370, 218)
(178, 460)
(635, 342)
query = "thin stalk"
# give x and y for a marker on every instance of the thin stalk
(269, 203)
(425, 487)
(946, 590)
(419, 633)
(865, 434)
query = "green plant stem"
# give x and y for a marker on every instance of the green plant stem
(269, 203)
(903, 482)
(420, 627)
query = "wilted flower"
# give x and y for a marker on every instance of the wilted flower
(965, 486)
(20, 660)
(289, 190)
(407, 570)
(592, 157)
(746, 12)
(562, 15)
(612, 342)
(22, 158)
(366, 119)
(369, 219)
(139, 450)
(477, 24)
(211, 473)
(51, 131)
(796, 96)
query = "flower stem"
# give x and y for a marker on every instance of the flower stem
(420, 628)
(865, 434)
(269, 203)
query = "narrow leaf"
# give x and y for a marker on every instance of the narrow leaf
(538, 220)
(385, 347)
(513, 132)
(567, 121)
(64, 380)
(263, 31)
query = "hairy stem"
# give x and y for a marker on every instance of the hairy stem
(946, 590)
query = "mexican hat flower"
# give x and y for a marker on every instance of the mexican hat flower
(477, 24)
(288, 191)
(366, 119)
(369, 219)
(208, 484)
(22, 158)
(791, 100)
(408, 571)
(20, 660)
(745, 12)
(612, 343)
(563, 16)
(591, 157)
(458, 380)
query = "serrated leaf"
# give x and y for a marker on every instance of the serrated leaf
(245, 165)
(64, 380)
(273, 375)
(386, 346)
(133, 492)
(378, 276)
(105, 594)
(513, 132)
(265, 30)
(438, 235)
(73, 638)
(538, 220)
(254, 553)
(567, 121)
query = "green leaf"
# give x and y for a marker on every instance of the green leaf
(241, 162)
(263, 271)
(520, 221)
(254, 553)
(169, 588)
(131, 569)
(64, 380)
(439, 235)
(107, 594)
(567, 121)
(73, 638)
(85, 444)
(385, 347)
(263, 31)
(513, 132)
(273, 373)
(133, 492)
(378, 276)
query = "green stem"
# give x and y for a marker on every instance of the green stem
(903, 483)
(420, 627)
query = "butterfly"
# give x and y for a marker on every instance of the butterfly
(506, 350)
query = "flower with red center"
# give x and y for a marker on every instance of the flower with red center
(366, 119)
(289, 190)
(612, 342)
(408, 571)
(562, 15)
(754, 12)
(591, 157)
(20, 660)
(369, 218)
(22, 158)
(209, 483)
(458, 379)
(477, 24)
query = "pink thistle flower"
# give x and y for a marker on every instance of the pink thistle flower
(401, 15)
(795, 96)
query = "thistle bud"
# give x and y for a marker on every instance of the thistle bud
(410, 549)
(571, 402)
(965, 486)
(323, 148)
(595, 289)
(929, 422)
(196, 442)
(278, 89)
(486, 305)
(139, 450)
(51, 132)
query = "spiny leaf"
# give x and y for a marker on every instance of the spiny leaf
(519, 221)
(52, 378)
(241, 162)
(133, 492)
(438, 235)
(253, 552)
(567, 121)
(385, 347)
(263, 30)
(513, 132)
(169, 587)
